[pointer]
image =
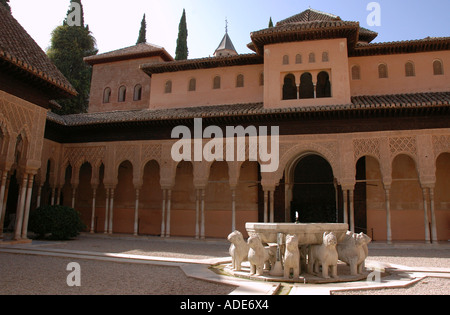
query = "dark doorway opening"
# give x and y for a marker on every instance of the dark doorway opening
(314, 192)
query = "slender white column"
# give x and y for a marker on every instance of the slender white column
(39, 196)
(169, 205)
(58, 195)
(4, 201)
(136, 213)
(202, 228)
(163, 213)
(197, 213)
(388, 215)
(233, 210)
(27, 206)
(52, 200)
(20, 208)
(4, 179)
(352, 210)
(272, 206)
(74, 193)
(94, 194)
(434, 237)
(425, 214)
(111, 211)
(345, 195)
(266, 206)
(106, 211)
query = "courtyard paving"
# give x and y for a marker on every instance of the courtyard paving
(126, 265)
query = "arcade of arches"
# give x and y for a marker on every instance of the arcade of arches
(385, 185)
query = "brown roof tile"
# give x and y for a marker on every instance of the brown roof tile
(395, 101)
(19, 50)
(137, 51)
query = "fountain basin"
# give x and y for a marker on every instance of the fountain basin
(308, 233)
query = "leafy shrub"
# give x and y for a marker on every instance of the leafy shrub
(56, 223)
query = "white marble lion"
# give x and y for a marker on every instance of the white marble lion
(292, 257)
(353, 251)
(325, 255)
(238, 250)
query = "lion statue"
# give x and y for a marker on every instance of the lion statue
(238, 250)
(325, 255)
(257, 255)
(292, 257)
(354, 251)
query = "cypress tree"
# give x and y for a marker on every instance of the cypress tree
(69, 46)
(6, 4)
(270, 22)
(142, 32)
(182, 51)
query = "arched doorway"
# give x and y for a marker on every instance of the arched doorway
(289, 87)
(313, 190)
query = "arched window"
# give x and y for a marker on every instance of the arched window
(285, 59)
(261, 79)
(289, 87)
(312, 58)
(356, 72)
(122, 94)
(438, 68)
(410, 69)
(306, 89)
(240, 81)
(137, 93)
(216, 83)
(298, 59)
(382, 71)
(325, 57)
(192, 85)
(168, 87)
(323, 88)
(106, 95)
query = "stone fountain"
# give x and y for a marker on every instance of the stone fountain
(311, 251)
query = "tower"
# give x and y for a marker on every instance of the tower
(226, 47)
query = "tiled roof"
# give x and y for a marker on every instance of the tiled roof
(374, 102)
(402, 47)
(137, 51)
(304, 31)
(202, 63)
(226, 43)
(19, 50)
(308, 16)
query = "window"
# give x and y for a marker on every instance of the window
(312, 58)
(323, 88)
(325, 57)
(285, 59)
(438, 68)
(216, 83)
(382, 71)
(289, 87)
(240, 81)
(122, 94)
(261, 79)
(137, 93)
(410, 69)
(192, 85)
(298, 59)
(168, 87)
(356, 72)
(306, 89)
(106, 95)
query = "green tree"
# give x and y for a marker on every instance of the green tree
(182, 51)
(6, 4)
(142, 32)
(270, 22)
(69, 46)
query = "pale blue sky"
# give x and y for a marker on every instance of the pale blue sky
(115, 23)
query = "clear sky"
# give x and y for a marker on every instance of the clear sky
(115, 23)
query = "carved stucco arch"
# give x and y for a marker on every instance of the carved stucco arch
(292, 156)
